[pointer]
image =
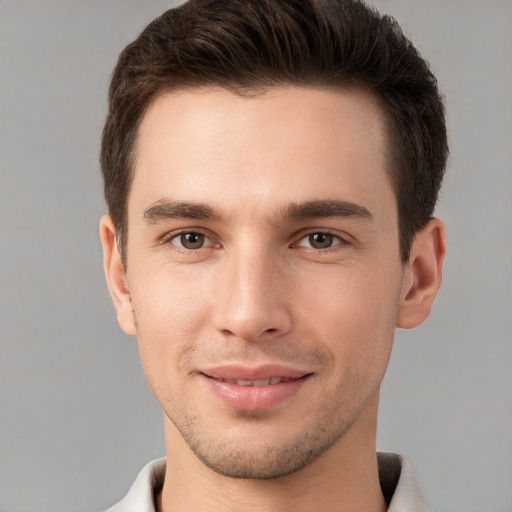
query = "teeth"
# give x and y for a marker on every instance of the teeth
(265, 382)
(262, 382)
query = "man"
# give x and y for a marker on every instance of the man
(271, 168)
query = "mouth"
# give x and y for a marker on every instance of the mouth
(260, 382)
(254, 389)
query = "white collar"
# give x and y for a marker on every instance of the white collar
(397, 480)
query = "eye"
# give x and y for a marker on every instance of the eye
(320, 240)
(191, 240)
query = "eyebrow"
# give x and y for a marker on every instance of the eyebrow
(326, 208)
(165, 209)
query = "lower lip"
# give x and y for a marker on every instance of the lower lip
(254, 398)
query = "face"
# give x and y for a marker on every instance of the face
(263, 270)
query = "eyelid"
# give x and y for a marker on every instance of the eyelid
(343, 238)
(336, 241)
(171, 235)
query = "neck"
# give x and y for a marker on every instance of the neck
(343, 478)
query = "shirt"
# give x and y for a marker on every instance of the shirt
(397, 481)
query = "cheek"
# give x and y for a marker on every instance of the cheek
(170, 301)
(170, 313)
(353, 314)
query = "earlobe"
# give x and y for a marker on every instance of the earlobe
(116, 276)
(423, 275)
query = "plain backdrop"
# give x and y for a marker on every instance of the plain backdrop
(77, 421)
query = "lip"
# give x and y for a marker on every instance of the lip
(261, 372)
(253, 398)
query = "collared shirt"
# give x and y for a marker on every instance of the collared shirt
(397, 481)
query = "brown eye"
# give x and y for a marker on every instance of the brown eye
(190, 240)
(320, 240)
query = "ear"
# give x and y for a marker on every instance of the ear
(423, 275)
(116, 276)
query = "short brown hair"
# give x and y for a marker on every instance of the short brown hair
(248, 46)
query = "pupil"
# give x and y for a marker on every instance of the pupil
(320, 240)
(192, 240)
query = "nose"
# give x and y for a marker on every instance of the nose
(253, 297)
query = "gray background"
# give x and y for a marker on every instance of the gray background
(77, 421)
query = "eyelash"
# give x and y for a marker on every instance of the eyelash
(169, 237)
(338, 241)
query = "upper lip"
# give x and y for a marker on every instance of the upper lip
(248, 373)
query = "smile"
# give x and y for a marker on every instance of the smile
(256, 389)
(261, 382)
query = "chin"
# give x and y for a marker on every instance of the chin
(255, 455)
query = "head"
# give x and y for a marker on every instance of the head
(271, 168)
(248, 47)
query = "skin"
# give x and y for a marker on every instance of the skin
(266, 276)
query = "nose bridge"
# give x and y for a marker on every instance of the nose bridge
(252, 299)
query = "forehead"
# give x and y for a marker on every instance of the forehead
(284, 145)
